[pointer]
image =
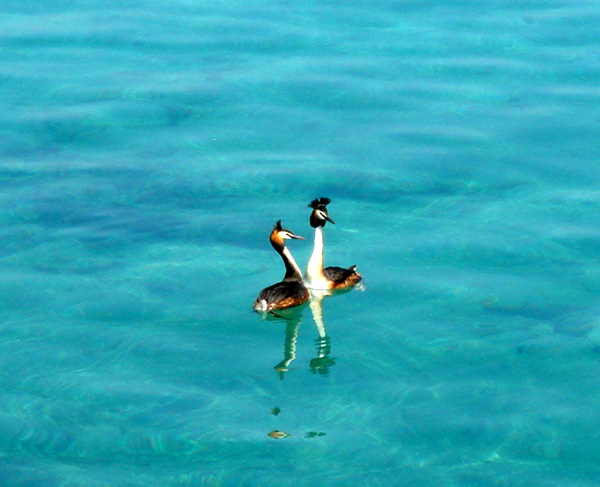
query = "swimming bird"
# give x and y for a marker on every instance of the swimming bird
(330, 277)
(291, 291)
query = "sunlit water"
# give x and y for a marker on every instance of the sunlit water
(147, 149)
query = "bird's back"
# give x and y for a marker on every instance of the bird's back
(282, 295)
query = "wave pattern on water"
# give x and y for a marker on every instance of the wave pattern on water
(146, 152)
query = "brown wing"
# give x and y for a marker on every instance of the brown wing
(342, 277)
(284, 294)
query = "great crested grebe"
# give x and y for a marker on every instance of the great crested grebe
(291, 291)
(330, 277)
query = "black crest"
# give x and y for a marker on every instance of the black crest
(319, 203)
(278, 225)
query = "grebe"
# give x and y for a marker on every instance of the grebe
(291, 291)
(330, 277)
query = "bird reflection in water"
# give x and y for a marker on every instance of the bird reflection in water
(321, 363)
(292, 317)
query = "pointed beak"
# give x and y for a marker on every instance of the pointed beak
(329, 219)
(297, 237)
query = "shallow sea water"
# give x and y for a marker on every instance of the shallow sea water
(147, 149)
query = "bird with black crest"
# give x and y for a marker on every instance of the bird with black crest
(290, 291)
(318, 277)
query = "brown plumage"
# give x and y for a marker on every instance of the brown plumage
(340, 278)
(289, 292)
(282, 295)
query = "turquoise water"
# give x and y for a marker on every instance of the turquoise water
(146, 150)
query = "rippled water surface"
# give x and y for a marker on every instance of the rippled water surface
(147, 149)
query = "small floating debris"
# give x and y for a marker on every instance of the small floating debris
(275, 411)
(278, 434)
(314, 434)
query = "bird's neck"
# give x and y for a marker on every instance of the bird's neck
(292, 271)
(314, 270)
